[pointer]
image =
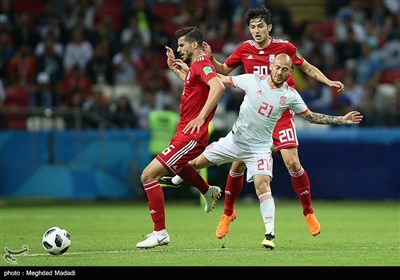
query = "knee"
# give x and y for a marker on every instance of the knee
(238, 166)
(292, 163)
(145, 177)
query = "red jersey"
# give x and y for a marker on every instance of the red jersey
(258, 61)
(195, 94)
(185, 147)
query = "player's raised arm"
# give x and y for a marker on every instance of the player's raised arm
(316, 74)
(219, 67)
(175, 64)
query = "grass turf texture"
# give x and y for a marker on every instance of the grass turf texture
(105, 234)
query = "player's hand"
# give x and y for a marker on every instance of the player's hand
(170, 57)
(338, 85)
(179, 64)
(207, 50)
(353, 117)
(193, 126)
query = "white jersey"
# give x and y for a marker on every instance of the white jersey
(261, 108)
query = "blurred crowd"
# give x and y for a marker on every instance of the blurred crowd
(107, 57)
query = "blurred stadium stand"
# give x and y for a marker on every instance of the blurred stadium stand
(76, 150)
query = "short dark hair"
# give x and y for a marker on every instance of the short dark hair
(191, 34)
(263, 13)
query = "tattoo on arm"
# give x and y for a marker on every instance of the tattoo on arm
(176, 71)
(318, 118)
(312, 72)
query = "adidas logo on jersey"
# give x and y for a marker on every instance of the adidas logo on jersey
(250, 57)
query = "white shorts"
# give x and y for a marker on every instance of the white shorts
(258, 162)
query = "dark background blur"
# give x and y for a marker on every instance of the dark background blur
(79, 79)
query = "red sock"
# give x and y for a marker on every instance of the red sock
(155, 198)
(301, 186)
(191, 176)
(233, 187)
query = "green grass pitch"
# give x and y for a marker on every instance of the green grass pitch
(105, 234)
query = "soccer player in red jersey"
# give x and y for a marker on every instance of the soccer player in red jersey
(201, 93)
(256, 56)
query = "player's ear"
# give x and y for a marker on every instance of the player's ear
(269, 27)
(195, 45)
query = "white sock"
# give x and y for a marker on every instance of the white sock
(267, 209)
(176, 180)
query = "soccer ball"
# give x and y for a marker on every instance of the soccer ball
(56, 241)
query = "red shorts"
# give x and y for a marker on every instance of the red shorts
(284, 135)
(181, 150)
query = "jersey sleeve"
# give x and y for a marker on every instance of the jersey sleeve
(243, 81)
(235, 60)
(206, 70)
(297, 105)
(294, 54)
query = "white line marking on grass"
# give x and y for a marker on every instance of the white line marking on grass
(130, 251)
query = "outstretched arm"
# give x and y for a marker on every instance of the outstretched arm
(316, 74)
(353, 117)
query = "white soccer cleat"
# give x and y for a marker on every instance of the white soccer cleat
(211, 197)
(156, 238)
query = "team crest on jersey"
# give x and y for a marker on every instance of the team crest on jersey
(271, 58)
(207, 70)
(298, 54)
(282, 101)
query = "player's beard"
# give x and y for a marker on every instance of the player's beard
(188, 58)
(276, 82)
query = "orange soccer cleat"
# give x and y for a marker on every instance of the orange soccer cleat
(223, 226)
(313, 225)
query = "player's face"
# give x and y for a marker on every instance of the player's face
(259, 30)
(280, 71)
(185, 50)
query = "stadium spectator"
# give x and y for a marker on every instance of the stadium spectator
(123, 114)
(7, 51)
(75, 87)
(50, 40)
(98, 104)
(348, 49)
(202, 91)
(24, 31)
(50, 62)
(214, 22)
(22, 67)
(44, 95)
(99, 68)
(78, 51)
(80, 13)
(282, 20)
(105, 31)
(127, 64)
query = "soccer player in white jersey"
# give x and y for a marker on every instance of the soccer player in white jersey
(256, 56)
(250, 140)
